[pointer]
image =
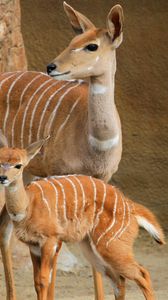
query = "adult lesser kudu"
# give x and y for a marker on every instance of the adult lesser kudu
(81, 117)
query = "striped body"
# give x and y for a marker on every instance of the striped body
(85, 139)
(74, 206)
(40, 101)
(33, 105)
(44, 106)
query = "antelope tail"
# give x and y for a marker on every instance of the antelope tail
(148, 221)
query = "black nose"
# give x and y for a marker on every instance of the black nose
(3, 178)
(51, 67)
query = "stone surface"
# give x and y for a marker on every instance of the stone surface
(12, 52)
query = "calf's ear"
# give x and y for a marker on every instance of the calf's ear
(34, 148)
(3, 140)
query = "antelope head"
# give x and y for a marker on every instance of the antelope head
(14, 160)
(90, 52)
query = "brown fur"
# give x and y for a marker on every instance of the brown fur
(81, 114)
(97, 216)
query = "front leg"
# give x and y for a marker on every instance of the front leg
(6, 229)
(98, 285)
(44, 263)
(119, 291)
(51, 288)
(36, 261)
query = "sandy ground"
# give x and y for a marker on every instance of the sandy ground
(78, 285)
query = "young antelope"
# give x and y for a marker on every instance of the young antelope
(75, 208)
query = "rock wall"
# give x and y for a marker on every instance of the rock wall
(12, 52)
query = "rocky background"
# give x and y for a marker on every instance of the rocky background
(12, 53)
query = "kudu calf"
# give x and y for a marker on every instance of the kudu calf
(75, 208)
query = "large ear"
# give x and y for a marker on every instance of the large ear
(3, 140)
(115, 21)
(78, 21)
(34, 148)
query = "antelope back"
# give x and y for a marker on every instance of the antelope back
(33, 105)
(82, 205)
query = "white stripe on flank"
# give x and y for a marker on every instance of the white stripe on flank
(43, 198)
(83, 193)
(94, 196)
(57, 106)
(102, 208)
(113, 220)
(8, 73)
(129, 218)
(27, 107)
(6, 78)
(20, 103)
(75, 196)
(64, 197)
(67, 118)
(46, 106)
(122, 225)
(35, 108)
(56, 196)
(7, 101)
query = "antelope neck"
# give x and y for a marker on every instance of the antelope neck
(16, 200)
(102, 113)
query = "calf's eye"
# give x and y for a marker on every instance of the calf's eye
(18, 166)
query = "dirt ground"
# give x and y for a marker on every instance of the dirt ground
(78, 285)
(141, 97)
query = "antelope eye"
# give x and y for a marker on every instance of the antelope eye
(18, 166)
(91, 47)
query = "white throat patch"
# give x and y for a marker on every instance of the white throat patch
(98, 89)
(11, 188)
(17, 217)
(103, 145)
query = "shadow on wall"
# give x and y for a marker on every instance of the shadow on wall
(141, 87)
